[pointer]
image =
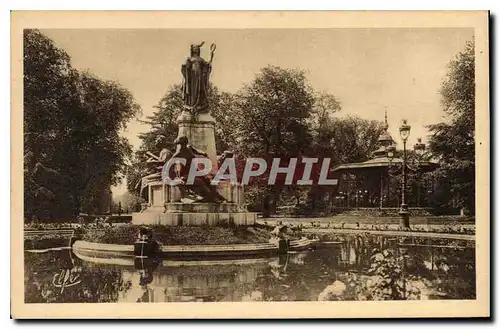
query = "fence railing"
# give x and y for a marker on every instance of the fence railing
(60, 232)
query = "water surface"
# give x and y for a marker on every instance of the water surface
(440, 269)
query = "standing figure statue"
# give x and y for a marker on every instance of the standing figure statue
(196, 73)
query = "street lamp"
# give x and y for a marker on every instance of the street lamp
(404, 131)
(391, 151)
(419, 149)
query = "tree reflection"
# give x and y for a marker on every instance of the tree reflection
(98, 284)
(297, 276)
(352, 270)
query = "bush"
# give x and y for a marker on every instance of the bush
(181, 235)
(387, 280)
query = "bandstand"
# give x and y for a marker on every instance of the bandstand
(376, 183)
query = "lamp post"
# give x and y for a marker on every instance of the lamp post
(391, 151)
(404, 131)
(419, 149)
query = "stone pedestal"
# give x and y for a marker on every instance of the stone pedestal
(185, 218)
(200, 131)
(166, 208)
(159, 194)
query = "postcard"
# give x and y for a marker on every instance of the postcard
(250, 164)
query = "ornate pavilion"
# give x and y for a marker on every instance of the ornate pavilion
(377, 183)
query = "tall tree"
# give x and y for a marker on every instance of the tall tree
(325, 106)
(162, 122)
(223, 109)
(344, 140)
(272, 113)
(347, 139)
(49, 86)
(272, 120)
(99, 155)
(453, 141)
(73, 151)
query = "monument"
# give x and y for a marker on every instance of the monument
(195, 121)
(198, 203)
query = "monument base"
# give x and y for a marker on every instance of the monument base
(164, 205)
(195, 218)
(165, 208)
(200, 132)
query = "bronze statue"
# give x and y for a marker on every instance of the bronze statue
(154, 165)
(225, 155)
(201, 185)
(163, 156)
(196, 73)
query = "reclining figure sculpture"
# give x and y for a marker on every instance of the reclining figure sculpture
(201, 186)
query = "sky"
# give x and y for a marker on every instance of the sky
(369, 70)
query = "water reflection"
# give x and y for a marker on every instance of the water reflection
(58, 277)
(90, 283)
(177, 281)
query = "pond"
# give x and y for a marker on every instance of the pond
(354, 267)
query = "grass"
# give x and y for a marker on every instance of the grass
(180, 235)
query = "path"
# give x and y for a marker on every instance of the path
(394, 233)
(371, 220)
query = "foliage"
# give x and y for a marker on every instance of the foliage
(285, 100)
(181, 235)
(41, 286)
(72, 149)
(387, 280)
(223, 107)
(325, 105)
(130, 202)
(346, 140)
(163, 121)
(349, 139)
(298, 122)
(453, 141)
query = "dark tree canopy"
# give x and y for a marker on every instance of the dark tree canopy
(272, 113)
(453, 141)
(348, 139)
(72, 147)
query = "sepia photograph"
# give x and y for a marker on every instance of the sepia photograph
(274, 164)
